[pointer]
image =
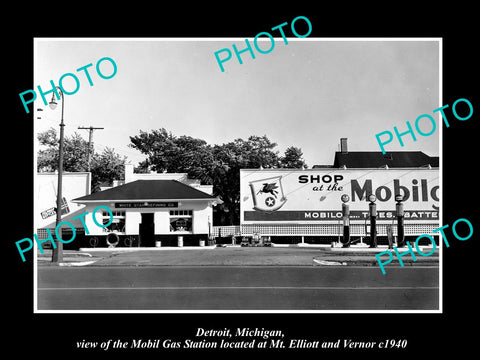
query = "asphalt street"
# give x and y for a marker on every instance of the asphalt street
(237, 288)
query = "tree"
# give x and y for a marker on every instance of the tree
(293, 158)
(75, 150)
(166, 152)
(105, 167)
(224, 174)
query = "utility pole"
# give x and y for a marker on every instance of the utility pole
(90, 138)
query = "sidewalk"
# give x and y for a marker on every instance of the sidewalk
(70, 258)
(306, 255)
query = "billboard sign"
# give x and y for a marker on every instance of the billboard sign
(303, 196)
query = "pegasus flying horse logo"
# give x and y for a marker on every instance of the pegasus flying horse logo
(269, 189)
(266, 193)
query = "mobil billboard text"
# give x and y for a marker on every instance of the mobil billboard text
(303, 196)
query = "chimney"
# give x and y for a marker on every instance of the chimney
(343, 146)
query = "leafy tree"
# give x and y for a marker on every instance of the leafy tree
(293, 158)
(105, 167)
(224, 173)
(166, 152)
(75, 150)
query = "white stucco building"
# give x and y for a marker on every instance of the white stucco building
(150, 210)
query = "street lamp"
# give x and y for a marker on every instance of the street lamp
(373, 220)
(57, 252)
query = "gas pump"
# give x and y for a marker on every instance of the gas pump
(373, 220)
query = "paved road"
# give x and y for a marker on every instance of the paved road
(237, 288)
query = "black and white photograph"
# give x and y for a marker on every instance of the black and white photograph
(273, 185)
(261, 187)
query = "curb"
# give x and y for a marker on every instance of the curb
(77, 263)
(325, 262)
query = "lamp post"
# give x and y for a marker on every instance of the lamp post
(373, 220)
(57, 252)
(346, 220)
(400, 225)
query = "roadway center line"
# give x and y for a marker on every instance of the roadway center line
(247, 288)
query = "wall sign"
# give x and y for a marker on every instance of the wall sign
(145, 204)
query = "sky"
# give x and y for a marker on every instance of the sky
(308, 93)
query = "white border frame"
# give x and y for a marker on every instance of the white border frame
(439, 311)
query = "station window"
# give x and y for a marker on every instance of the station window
(118, 222)
(181, 212)
(115, 213)
(181, 220)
